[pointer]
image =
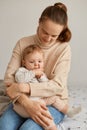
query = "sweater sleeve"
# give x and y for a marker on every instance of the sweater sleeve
(13, 65)
(15, 61)
(57, 85)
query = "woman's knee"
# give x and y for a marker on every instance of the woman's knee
(57, 115)
(30, 125)
(10, 120)
(6, 123)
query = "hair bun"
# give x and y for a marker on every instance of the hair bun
(61, 5)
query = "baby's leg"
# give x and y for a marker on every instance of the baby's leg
(57, 103)
(64, 108)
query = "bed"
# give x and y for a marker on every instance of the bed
(77, 97)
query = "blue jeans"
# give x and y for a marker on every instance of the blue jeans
(10, 120)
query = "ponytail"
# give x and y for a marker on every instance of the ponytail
(65, 35)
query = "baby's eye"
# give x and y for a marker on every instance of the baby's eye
(40, 61)
(31, 62)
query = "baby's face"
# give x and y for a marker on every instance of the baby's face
(34, 61)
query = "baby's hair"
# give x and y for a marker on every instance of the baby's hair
(31, 49)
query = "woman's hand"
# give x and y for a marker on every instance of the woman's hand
(38, 112)
(15, 89)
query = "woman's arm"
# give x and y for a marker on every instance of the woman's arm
(36, 110)
(59, 73)
(16, 89)
(13, 65)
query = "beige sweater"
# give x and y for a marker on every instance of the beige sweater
(57, 65)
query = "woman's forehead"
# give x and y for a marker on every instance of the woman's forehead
(51, 28)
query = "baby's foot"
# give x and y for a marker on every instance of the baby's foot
(73, 111)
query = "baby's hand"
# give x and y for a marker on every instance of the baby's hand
(38, 72)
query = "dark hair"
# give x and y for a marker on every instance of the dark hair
(58, 14)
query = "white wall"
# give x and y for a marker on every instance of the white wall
(19, 18)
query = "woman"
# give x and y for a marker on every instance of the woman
(52, 36)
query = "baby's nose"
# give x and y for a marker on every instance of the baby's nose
(36, 65)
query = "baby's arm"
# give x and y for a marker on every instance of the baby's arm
(23, 75)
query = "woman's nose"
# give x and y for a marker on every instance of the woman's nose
(48, 38)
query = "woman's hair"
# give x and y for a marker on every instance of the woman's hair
(31, 49)
(58, 14)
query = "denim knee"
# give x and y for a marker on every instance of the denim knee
(57, 115)
(10, 120)
(29, 124)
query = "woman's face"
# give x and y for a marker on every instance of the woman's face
(48, 31)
